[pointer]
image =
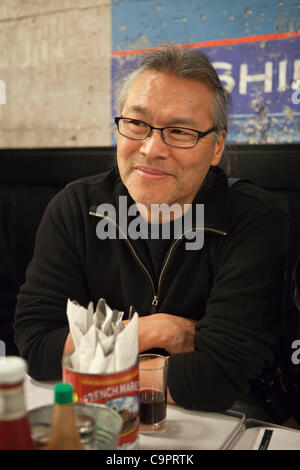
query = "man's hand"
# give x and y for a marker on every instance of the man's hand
(69, 345)
(160, 330)
(170, 332)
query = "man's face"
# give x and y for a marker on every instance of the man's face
(152, 171)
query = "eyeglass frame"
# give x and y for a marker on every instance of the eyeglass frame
(200, 134)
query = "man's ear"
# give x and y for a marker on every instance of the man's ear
(219, 148)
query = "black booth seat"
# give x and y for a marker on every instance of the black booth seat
(29, 178)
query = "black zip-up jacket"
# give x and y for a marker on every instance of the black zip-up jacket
(232, 286)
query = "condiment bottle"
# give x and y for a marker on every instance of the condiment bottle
(64, 434)
(15, 433)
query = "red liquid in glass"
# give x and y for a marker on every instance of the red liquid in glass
(15, 435)
(152, 406)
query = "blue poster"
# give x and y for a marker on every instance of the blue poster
(262, 76)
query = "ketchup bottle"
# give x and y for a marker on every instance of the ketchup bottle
(15, 433)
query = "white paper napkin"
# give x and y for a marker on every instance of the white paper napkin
(102, 343)
(281, 439)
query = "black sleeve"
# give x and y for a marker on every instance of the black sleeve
(237, 337)
(8, 295)
(54, 275)
(296, 284)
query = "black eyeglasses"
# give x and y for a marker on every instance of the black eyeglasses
(181, 137)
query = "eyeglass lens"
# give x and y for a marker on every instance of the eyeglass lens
(178, 136)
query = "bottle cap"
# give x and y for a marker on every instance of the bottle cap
(63, 393)
(12, 369)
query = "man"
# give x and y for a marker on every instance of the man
(216, 310)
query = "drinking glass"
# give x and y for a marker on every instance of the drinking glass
(153, 370)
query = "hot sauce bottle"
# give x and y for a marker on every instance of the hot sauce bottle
(64, 434)
(15, 433)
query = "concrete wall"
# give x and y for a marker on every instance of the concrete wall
(55, 63)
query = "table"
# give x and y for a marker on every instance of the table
(190, 430)
(185, 429)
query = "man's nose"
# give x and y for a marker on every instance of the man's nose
(154, 146)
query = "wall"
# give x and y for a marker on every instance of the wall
(60, 59)
(55, 63)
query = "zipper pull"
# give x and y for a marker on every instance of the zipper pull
(154, 304)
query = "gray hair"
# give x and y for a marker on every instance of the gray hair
(183, 63)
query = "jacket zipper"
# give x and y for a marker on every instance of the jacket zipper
(155, 299)
(207, 229)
